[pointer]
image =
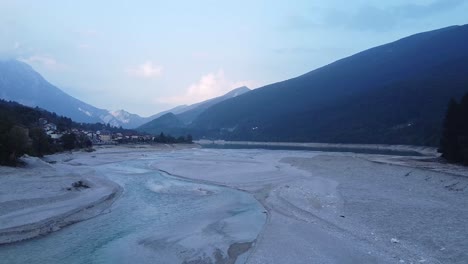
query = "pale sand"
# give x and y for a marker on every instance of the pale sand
(39, 198)
(341, 208)
(328, 207)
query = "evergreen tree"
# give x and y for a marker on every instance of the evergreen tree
(40, 142)
(69, 141)
(463, 132)
(162, 138)
(454, 140)
(17, 143)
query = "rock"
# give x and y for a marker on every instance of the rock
(80, 184)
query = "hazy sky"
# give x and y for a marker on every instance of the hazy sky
(146, 56)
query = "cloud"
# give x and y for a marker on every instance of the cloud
(209, 86)
(416, 11)
(45, 61)
(377, 19)
(365, 18)
(299, 22)
(370, 17)
(145, 70)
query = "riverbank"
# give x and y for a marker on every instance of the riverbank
(320, 207)
(48, 194)
(341, 207)
(41, 198)
(157, 219)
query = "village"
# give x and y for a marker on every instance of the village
(97, 137)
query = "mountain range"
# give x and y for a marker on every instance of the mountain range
(391, 94)
(178, 122)
(21, 83)
(395, 94)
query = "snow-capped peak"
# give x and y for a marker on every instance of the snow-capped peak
(121, 115)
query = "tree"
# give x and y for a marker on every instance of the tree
(82, 141)
(40, 142)
(17, 143)
(162, 138)
(454, 140)
(5, 127)
(189, 139)
(449, 145)
(463, 132)
(69, 141)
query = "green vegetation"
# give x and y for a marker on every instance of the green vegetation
(21, 133)
(13, 143)
(454, 140)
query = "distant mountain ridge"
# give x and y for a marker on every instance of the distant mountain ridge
(177, 122)
(126, 119)
(175, 110)
(19, 82)
(191, 112)
(394, 94)
(167, 123)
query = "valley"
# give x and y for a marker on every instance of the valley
(231, 132)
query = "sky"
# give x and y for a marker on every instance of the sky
(148, 56)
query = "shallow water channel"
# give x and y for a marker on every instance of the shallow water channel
(157, 219)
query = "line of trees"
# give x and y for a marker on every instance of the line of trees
(18, 140)
(168, 139)
(454, 140)
(21, 133)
